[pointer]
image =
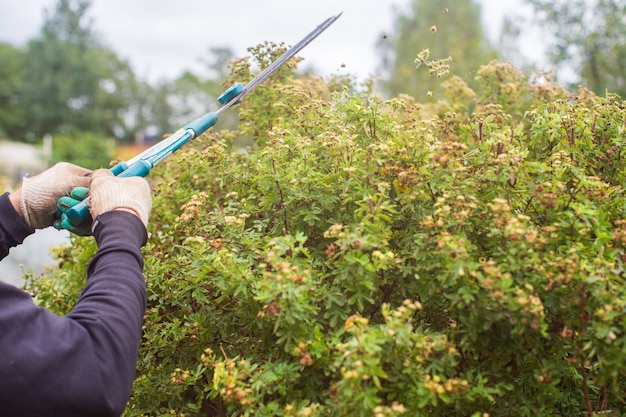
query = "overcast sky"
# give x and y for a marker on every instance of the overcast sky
(162, 38)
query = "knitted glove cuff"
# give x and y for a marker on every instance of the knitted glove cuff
(40, 193)
(110, 193)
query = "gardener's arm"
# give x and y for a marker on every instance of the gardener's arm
(34, 205)
(82, 364)
(13, 227)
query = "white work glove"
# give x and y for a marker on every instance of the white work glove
(38, 203)
(108, 192)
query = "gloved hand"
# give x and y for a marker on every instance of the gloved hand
(77, 195)
(38, 203)
(108, 192)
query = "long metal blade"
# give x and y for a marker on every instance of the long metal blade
(279, 62)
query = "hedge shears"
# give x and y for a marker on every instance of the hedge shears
(142, 164)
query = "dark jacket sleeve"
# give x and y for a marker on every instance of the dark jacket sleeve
(13, 227)
(82, 364)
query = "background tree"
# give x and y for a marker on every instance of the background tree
(588, 37)
(11, 69)
(509, 42)
(192, 95)
(71, 81)
(165, 107)
(454, 31)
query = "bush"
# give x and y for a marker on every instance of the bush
(387, 258)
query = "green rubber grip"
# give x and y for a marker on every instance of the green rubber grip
(80, 212)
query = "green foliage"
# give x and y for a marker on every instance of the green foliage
(59, 293)
(370, 258)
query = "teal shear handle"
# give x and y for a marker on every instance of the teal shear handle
(142, 164)
(80, 212)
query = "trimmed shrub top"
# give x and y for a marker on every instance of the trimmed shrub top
(368, 257)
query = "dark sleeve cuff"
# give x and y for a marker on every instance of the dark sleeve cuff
(119, 224)
(13, 227)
